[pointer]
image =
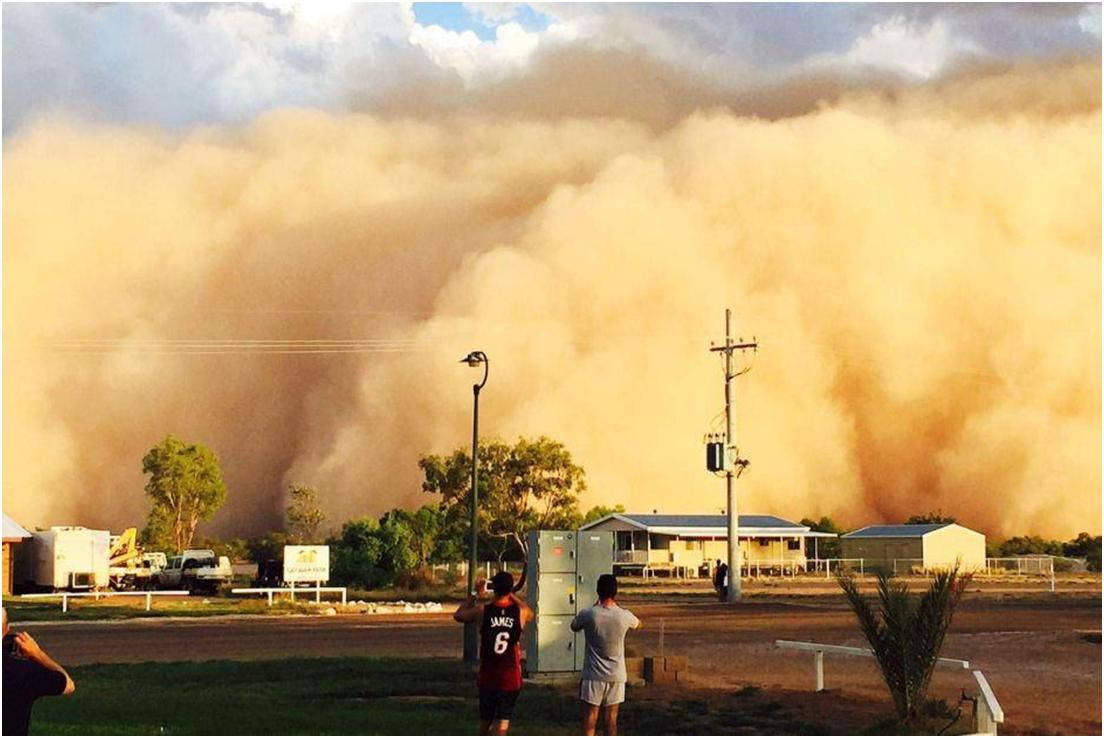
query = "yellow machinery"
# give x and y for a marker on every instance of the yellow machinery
(128, 566)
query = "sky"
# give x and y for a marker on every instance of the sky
(180, 65)
(274, 229)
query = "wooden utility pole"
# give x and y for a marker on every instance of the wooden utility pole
(733, 464)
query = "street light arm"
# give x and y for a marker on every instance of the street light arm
(486, 368)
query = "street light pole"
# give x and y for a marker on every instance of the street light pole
(471, 630)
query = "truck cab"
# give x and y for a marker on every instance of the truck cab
(196, 570)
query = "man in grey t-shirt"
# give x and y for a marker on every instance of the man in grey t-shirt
(604, 677)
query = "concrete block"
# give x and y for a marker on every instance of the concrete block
(663, 677)
(634, 667)
(675, 663)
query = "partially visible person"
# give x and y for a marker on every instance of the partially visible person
(29, 673)
(720, 580)
(603, 680)
(502, 621)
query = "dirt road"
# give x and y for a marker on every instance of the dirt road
(1046, 674)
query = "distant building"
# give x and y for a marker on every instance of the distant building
(904, 548)
(14, 534)
(685, 544)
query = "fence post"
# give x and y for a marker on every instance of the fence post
(65, 603)
(270, 598)
(149, 601)
(819, 661)
(861, 561)
(828, 569)
(317, 592)
(343, 593)
(293, 591)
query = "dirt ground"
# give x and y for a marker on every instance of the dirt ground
(1037, 649)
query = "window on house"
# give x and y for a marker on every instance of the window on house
(763, 541)
(794, 544)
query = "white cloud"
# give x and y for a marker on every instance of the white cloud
(920, 50)
(183, 64)
(1089, 20)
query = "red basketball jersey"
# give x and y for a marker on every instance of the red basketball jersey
(499, 648)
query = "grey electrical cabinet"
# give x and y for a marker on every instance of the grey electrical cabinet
(562, 571)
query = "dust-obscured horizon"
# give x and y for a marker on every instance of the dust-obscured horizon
(920, 264)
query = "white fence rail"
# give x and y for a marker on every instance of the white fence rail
(318, 590)
(819, 649)
(65, 596)
(987, 715)
(987, 711)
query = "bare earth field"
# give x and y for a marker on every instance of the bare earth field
(1036, 648)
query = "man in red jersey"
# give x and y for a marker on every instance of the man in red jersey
(501, 622)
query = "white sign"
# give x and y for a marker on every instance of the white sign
(306, 563)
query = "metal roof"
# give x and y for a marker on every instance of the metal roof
(895, 531)
(13, 530)
(710, 525)
(708, 521)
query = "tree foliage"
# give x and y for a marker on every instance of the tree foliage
(185, 485)
(370, 553)
(530, 485)
(600, 511)
(304, 515)
(1084, 546)
(826, 548)
(906, 633)
(930, 518)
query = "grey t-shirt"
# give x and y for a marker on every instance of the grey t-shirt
(605, 628)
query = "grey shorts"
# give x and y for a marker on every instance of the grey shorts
(601, 693)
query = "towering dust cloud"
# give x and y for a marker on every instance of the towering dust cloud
(921, 269)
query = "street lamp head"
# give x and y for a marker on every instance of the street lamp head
(475, 358)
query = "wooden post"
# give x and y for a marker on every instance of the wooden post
(65, 603)
(149, 601)
(270, 598)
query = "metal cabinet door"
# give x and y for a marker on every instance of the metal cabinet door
(555, 593)
(552, 646)
(555, 550)
(595, 558)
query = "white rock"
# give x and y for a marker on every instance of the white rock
(329, 611)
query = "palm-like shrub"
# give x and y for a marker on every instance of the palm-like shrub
(907, 634)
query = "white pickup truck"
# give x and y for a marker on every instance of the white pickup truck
(197, 571)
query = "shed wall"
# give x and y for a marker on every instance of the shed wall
(881, 552)
(943, 547)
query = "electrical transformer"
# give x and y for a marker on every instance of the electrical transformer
(564, 567)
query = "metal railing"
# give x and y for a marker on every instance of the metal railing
(65, 596)
(988, 712)
(317, 590)
(630, 557)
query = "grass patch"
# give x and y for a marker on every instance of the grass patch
(373, 696)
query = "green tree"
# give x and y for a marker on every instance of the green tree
(826, 548)
(355, 554)
(906, 634)
(397, 545)
(1024, 545)
(304, 515)
(931, 518)
(157, 535)
(186, 487)
(600, 511)
(530, 485)
(1084, 547)
(427, 525)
